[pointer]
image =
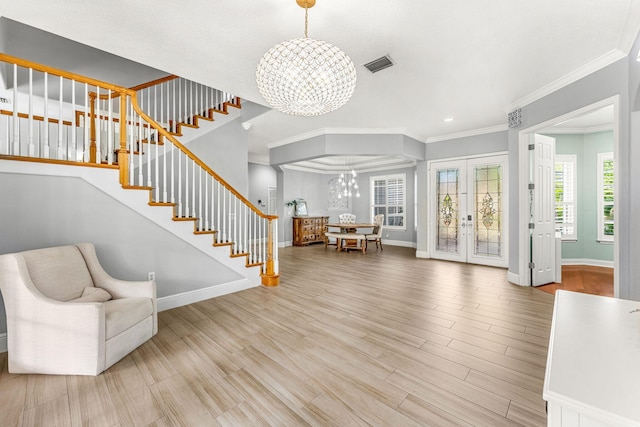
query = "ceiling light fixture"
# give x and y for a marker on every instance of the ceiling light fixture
(347, 182)
(306, 77)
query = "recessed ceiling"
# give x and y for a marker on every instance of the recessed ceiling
(337, 164)
(472, 60)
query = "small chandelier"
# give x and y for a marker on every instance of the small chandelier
(347, 182)
(306, 77)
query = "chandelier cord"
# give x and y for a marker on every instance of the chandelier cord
(306, 19)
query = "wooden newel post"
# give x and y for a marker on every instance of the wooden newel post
(123, 158)
(92, 125)
(270, 277)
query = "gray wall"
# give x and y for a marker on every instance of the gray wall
(30, 43)
(468, 146)
(586, 148)
(605, 83)
(311, 187)
(362, 205)
(38, 211)
(225, 150)
(261, 177)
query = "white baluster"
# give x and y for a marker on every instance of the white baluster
(87, 121)
(179, 104)
(161, 112)
(186, 186)
(180, 204)
(218, 222)
(16, 125)
(235, 224)
(149, 133)
(154, 132)
(98, 127)
(132, 138)
(193, 189)
(173, 167)
(60, 154)
(31, 145)
(164, 168)
(174, 105)
(110, 130)
(139, 146)
(190, 102)
(74, 137)
(169, 99)
(45, 153)
(206, 202)
(224, 216)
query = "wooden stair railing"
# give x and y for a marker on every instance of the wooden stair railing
(93, 123)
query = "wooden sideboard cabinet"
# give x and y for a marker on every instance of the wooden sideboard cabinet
(309, 229)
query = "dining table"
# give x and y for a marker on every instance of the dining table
(351, 228)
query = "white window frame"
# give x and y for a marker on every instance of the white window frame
(403, 177)
(602, 157)
(572, 199)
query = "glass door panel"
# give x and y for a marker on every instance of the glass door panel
(449, 188)
(469, 210)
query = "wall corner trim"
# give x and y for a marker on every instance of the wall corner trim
(422, 254)
(514, 278)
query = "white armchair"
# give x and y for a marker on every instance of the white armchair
(66, 315)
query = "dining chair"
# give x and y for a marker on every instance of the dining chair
(376, 235)
(347, 218)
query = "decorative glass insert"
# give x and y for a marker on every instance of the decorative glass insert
(447, 210)
(488, 210)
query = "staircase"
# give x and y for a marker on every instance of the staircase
(78, 121)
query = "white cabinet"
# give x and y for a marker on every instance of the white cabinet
(593, 366)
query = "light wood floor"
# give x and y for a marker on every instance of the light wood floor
(380, 338)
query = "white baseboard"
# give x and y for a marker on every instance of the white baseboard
(399, 243)
(585, 261)
(178, 300)
(3, 343)
(422, 254)
(514, 278)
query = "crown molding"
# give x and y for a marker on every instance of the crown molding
(578, 131)
(342, 131)
(572, 77)
(473, 132)
(336, 171)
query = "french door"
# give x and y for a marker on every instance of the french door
(468, 210)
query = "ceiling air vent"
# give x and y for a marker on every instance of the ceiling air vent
(379, 64)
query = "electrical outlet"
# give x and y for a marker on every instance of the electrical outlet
(386, 236)
(152, 276)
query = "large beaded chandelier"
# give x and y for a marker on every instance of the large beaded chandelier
(306, 77)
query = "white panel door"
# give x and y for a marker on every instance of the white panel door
(468, 210)
(543, 246)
